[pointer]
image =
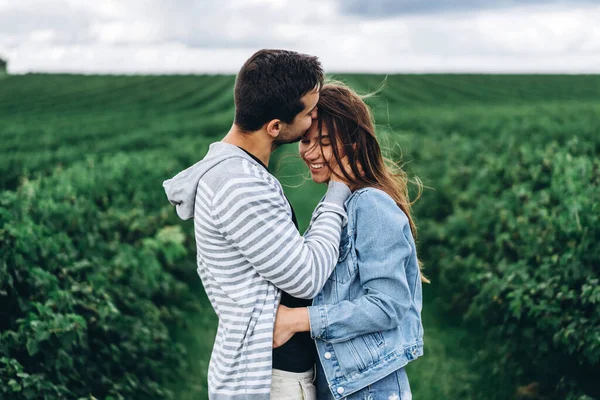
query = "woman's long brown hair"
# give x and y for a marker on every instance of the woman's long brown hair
(343, 112)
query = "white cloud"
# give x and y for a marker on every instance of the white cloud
(167, 58)
(42, 36)
(160, 36)
(125, 32)
(543, 32)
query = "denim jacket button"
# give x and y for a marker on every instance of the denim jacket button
(340, 390)
(327, 355)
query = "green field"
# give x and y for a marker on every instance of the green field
(97, 274)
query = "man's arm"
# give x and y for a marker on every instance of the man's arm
(252, 215)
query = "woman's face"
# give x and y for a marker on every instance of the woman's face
(317, 154)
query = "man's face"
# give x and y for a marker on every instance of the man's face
(292, 132)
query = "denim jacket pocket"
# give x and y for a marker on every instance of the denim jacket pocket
(373, 342)
(360, 363)
(346, 266)
(364, 351)
(378, 337)
(344, 250)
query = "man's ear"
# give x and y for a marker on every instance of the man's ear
(274, 128)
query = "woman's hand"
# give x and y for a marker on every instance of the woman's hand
(288, 322)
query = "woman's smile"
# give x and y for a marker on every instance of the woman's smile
(315, 168)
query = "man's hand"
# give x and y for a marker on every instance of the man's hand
(288, 322)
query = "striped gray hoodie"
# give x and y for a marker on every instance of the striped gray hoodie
(248, 250)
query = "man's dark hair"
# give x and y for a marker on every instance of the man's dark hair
(270, 85)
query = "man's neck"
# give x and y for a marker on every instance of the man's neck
(257, 143)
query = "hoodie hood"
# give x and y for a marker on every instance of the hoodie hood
(181, 189)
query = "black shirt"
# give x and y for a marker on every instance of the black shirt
(299, 353)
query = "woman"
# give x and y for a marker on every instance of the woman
(366, 321)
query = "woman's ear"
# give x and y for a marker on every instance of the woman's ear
(274, 128)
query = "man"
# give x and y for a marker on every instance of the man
(249, 248)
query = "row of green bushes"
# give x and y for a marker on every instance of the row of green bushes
(92, 272)
(92, 278)
(517, 250)
(47, 119)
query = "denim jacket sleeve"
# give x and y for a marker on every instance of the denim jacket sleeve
(382, 250)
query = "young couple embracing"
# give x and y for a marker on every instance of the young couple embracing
(336, 312)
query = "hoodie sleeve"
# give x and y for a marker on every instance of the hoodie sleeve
(251, 213)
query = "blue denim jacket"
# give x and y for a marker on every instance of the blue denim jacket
(366, 321)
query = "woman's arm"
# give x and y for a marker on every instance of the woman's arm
(381, 266)
(382, 250)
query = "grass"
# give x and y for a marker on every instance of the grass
(452, 367)
(449, 368)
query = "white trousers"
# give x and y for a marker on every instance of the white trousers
(293, 385)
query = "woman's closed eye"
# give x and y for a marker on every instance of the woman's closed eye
(324, 141)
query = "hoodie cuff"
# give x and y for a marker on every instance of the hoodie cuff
(337, 193)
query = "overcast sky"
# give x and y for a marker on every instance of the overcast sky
(194, 36)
